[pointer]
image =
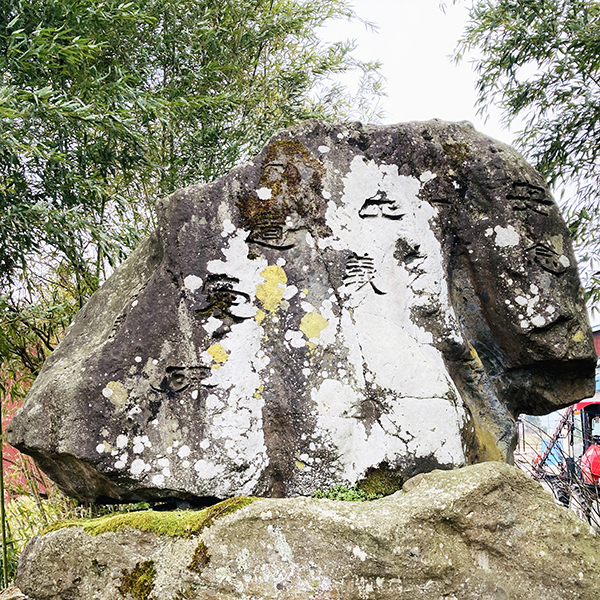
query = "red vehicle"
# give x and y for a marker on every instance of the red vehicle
(570, 461)
(590, 427)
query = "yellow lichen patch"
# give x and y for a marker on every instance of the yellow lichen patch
(476, 358)
(218, 353)
(260, 316)
(312, 324)
(579, 336)
(558, 242)
(490, 450)
(270, 293)
(117, 394)
(300, 465)
(259, 391)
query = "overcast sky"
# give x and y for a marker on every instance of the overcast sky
(414, 41)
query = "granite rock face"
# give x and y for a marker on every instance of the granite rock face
(485, 532)
(355, 304)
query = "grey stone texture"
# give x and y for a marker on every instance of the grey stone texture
(484, 532)
(355, 303)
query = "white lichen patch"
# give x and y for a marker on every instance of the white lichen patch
(538, 321)
(264, 193)
(211, 325)
(506, 236)
(193, 282)
(427, 176)
(295, 338)
(237, 265)
(421, 427)
(207, 469)
(137, 467)
(228, 228)
(235, 433)
(534, 308)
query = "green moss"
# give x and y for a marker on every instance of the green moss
(200, 559)
(457, 152)
(381, 480)
(285, 186)
(139, 582)
(177, 523)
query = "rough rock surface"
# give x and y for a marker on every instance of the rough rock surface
(12, 593)
(355, 303)
(484, 532)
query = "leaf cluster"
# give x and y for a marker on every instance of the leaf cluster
(348, 494)
(106, 104)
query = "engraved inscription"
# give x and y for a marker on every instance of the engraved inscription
(360, 271)
(269, 231)
(380, 205)
(224, 301)
(177, 379)
(549, 259)
(526, 196)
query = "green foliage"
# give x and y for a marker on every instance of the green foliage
(348, 494)
(105, 106)
(539, 61)
(33, 503)
(12, 562)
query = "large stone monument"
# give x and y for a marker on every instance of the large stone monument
(355, 304)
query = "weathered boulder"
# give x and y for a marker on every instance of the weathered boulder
(484, 532)
(12, 593)
(357, 303)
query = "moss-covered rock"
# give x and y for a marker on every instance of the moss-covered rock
(485, 532)
(178, 523)
(200, 559)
